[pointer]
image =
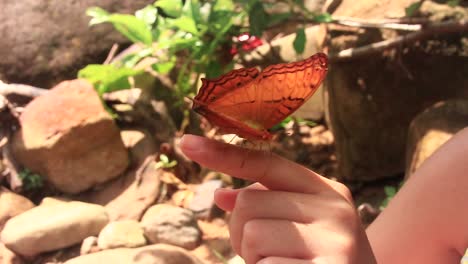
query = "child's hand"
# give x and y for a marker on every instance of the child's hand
(292, 215)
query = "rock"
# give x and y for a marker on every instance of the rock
(432, 128)
(69, 138)
(216, 243)
(367, 213)
(50, 227)
(44, 43)
(89, 245)
(128, 198)
(202, 203)
(236, 260)
(126, 233)
(182, 198)
(155, 254)
(12, 204)
(9, 257)
(47, 201)
(140, 143)
(371, 100)
(171, 225)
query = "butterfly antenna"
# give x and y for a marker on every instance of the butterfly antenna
(269, 160)
(232, 139)
(249, 150)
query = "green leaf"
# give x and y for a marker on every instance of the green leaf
(186, 24)
(282, 124)
(300, 41)
(192, 9)
(172, 8)
(133, 28)
(218, 20)
(163, 158)
(131, 60)
(98, 15)
(323, 18)
(258, 19)
(223, 5)
(171, 164)
(390, 191)
(413, 8)
(107, 78)
(147, 15)
(453, 3)
(213, 69)
(181, 43)
(31, 181)
(163, 67)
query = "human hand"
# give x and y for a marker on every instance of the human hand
(291, 215)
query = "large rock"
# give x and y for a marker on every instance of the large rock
(372, 99)
(126, 233)
(68, 137)
(171, 225)
(12, 204)
(55, 226)
(128, 197)
(432, 128)
(155, 254)
(202, 203)
(45, 42)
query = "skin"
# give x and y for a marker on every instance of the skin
(429, 211)
(293, 215)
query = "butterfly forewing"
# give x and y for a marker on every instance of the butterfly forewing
(260, 101)
(216, 89)
(284, 88)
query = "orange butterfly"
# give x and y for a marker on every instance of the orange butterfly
(247, 102)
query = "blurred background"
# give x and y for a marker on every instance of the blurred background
(94, 97)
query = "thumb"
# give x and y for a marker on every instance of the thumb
(226, 198)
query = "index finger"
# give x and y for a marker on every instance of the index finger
(272, 171)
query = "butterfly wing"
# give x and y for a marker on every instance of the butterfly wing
(216, 89)
(275, 93)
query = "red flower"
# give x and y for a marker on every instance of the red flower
(246, 42)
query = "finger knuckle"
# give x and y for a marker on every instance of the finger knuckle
(344, 191)
(244, 199)
(251, 237)
(343, 211)
(271, 260)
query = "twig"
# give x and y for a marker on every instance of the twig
(430, 30)
(396, 24)
(111, 54)
(384, 24)
(21, 89)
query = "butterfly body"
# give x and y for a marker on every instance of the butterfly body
(247, 102)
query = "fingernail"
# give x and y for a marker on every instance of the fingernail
(221, 190)
(225, 190)
(191, 143)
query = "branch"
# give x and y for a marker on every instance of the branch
(21, 89)
(431, 30)
(384, 24)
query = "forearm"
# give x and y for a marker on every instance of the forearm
(427, 221)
